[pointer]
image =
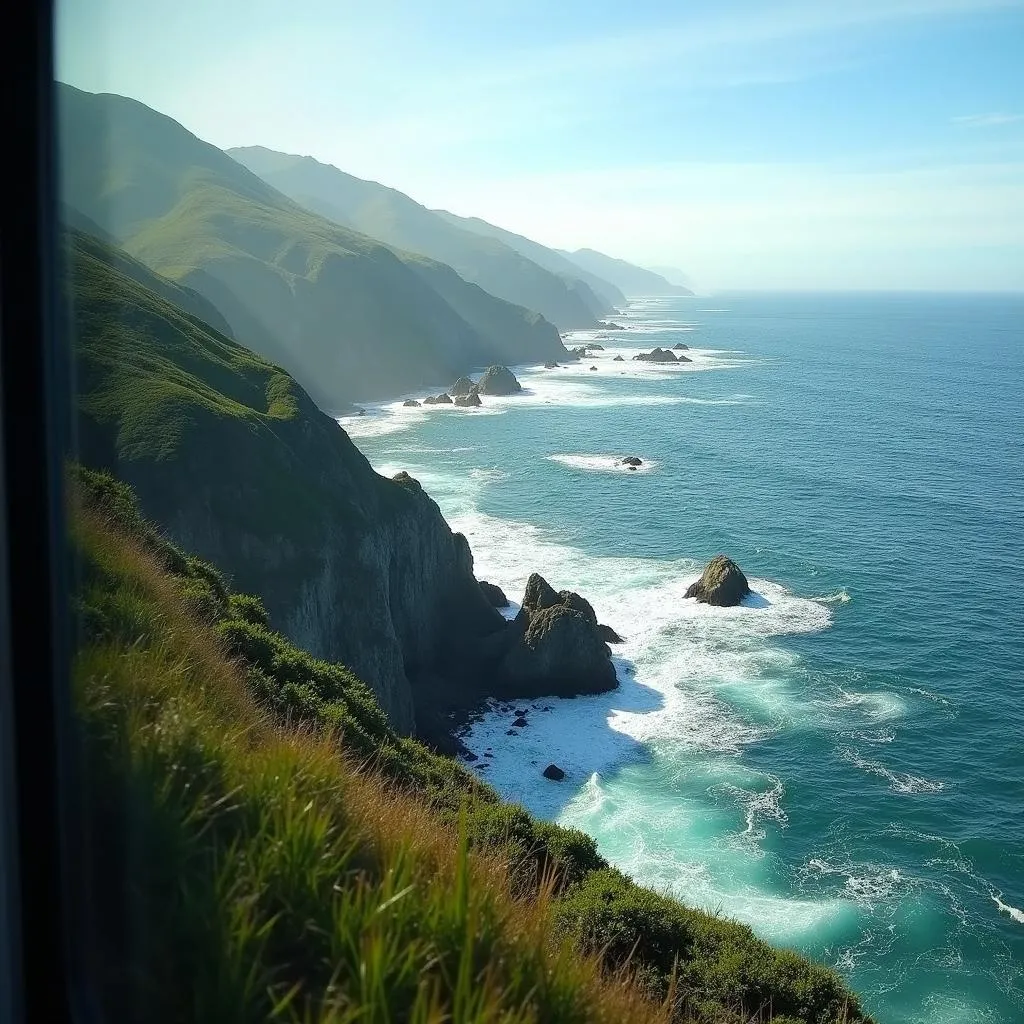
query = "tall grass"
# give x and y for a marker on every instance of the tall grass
(245, 871)
(264, 845)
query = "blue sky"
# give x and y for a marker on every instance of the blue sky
(871, 144)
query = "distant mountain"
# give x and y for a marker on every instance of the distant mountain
(673, 275)
(631, 279)
(550, 259)
(346, 315)
(395, 219)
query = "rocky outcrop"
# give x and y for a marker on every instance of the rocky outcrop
(593, 367)
(632, 460)
(468, 401)
(498, 380)
(411, 403)
(680, 347)
(610, 325)
(494, 594)
(557, 648)
(463, 386)
(551, 366)
(579, 351)
(608, 635)
(618, 359)
(594, 347)
(554, 773)
(658, 355)
(722, 583)
(442, 399)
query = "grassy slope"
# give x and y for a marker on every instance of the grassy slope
(342, 312)
(303, 859)
(394, 218)
(245, 868)
(205, 428)
(551, 259)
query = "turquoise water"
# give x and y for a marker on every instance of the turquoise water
(839, 763)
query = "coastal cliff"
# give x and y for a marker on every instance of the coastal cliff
(236, 463)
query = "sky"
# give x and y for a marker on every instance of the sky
(812, 144)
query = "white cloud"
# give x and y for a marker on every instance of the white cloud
(987, 120)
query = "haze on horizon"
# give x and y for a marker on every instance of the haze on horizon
(797, 145)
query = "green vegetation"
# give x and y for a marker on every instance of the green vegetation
(272, 848)
(347, 316)
(247, 869)
(394, 218)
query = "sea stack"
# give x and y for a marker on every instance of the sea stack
(498, 380)
(722, 583)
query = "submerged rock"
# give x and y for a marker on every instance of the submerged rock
(554, 773)
(680, 347)
(551, 366)
(498, 380)
(593, 367)
(463, 386)
(519, 723)
(632, 460)
(494, 594)
(594, 347)
(618, 359)
(610, 325)
(411, 403)
(468, 401)
(722, 583)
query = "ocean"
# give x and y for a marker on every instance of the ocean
(839, 762)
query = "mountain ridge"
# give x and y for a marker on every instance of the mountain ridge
(347, 315)
(396, 219)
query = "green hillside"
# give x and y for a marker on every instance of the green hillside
(345, 314)
(552, 259)
(631, 279)
(303, 857)
(394, 218)
(291, 857)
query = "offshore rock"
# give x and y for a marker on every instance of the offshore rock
(498, 380)
(722, 583)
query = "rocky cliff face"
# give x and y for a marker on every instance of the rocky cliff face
(377, 581)
(234, 461)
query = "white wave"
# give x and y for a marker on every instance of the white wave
(899, 782)
(679, 659)
(758, 806)
(603, 463)
(488, 474)
(839, 597)
(880, 706)
(866, 884)
(1005, 908)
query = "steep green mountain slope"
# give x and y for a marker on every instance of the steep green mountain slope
(271, 849)
(631, 279)
(345, 314)
(230, 455)
(552, 259)
(394, 218)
